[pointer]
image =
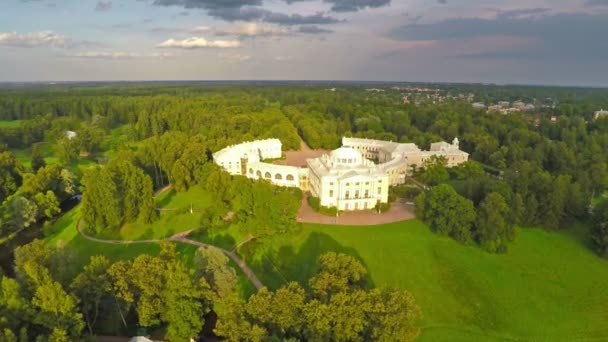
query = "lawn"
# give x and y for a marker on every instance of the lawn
(549, 287)
(10, 124)
(176, 216)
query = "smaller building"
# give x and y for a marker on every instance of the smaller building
(70, 134)
(479, 105)
(600, 114)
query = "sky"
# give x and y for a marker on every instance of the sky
(553, 42)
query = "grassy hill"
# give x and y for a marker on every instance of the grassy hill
(549, 287)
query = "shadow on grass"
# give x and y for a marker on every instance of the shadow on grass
(276, 267)
(166, 199)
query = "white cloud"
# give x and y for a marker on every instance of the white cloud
(253, 30)
(200, 29)
(34, 39)
(199, 43)
(118, 55)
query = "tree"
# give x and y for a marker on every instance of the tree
(337, 273)
(22, 212)
(448, 213)
(435, 170)
(213, 265)
(56, 309)
(162, 291)
(493, 229)
(10, 175)
(48, 205)
(37, 158)
(599, 231)
(92, 286)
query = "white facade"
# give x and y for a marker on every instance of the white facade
(347, 178)
(600, 114)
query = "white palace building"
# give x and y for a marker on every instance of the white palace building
(355, 176)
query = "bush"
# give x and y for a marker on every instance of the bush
(330, 211)
(382, 207)
(314, 202)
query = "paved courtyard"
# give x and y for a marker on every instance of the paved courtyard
(298, 158)
(398, 212)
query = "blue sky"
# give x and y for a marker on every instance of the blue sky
(535, 41)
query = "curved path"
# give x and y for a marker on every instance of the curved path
(182, 238)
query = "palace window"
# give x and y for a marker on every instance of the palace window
(366, 193)
(348, 194)
(357, 194)
(331, 193)
(347, 184)
(357, 184)
(379, 190)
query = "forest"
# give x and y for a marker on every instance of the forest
(544, 169)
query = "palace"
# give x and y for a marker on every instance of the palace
(355, 176)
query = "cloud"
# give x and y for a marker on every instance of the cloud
(260, 14)
(36, 39)
(253, 30)
(200, 29)
(199, 43)
(118, 55)
(554, 36)
(596, 3)
(350, 5)
(103, 5)
(208, 4)
(313, 29)
(250, 10)
(443, 2)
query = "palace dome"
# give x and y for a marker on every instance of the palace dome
(346, 156)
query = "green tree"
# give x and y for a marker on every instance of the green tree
(22, 212)
(213, 265)
(37, 158)
(435, 171)
(493, 229)
(56, 309)
(448, 213)
(599, 231)
(48, 205)
(92, 286)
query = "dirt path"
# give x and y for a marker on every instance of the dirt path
(182, 238)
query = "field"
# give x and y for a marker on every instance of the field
(549, 287)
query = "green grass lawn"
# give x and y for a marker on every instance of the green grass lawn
(10, 124)
(549, 287)
(176, 220)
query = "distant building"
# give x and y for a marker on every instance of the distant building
(479, 105)
(518, 105)
(503, 104)
(70, 134)
(600, 114)
(529, 107)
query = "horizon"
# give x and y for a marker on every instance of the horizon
(290, 81)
